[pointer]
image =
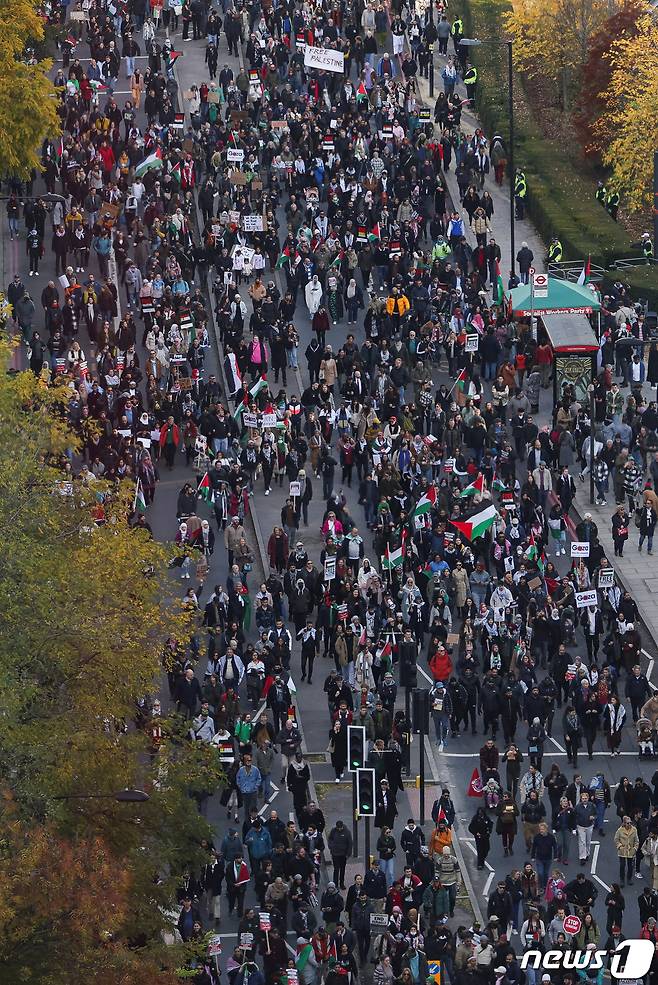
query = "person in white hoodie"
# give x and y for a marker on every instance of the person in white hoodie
(313, 294)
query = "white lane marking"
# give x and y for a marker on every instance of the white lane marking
(596, 847)
(602, 883)
(485, 891)
(557, 744)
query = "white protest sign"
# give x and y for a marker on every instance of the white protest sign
(509, 563)
(606, 577)
(295, 489)
(329, 568)
(590, 597)
(250, 420)
(324, 58)
(580, 548)
(472, 343)
(233, 218)
(214, 946)
(235, 154)
(269, 420)
(252, 223)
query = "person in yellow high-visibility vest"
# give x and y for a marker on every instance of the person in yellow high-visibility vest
(555, 251)
(470, 80)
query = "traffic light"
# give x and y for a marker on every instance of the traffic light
(420, 710)
(408, 675)
(356, 748)
(365, 792)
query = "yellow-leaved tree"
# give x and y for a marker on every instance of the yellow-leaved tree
(551, 39)
(628, 124)
(28, 100)
(85, 611)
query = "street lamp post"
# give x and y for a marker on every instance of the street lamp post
(473, 43)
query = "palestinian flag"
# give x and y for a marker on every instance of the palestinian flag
(176, 173)
(374, 235)
(240, 409)
(337, 260)
(149, 163)
(478, 524)
(585, 272)
(284, 258)
(393, 559)
(385, 653)
(97, 86)
(534, 555)
(139, 502)
(172, 58)
(497, 484)
(361, 92)
(204, 489)
(500, 288)
(426, 502)
(475, 487)
(460, 382)
(259, 385)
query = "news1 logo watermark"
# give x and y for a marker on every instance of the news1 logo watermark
(630, 959)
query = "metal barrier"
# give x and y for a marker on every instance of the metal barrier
(633, 262)
(572, 269)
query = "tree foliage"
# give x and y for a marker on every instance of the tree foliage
(84, 611)
(629, 118)
(28, 102)
(551, 39)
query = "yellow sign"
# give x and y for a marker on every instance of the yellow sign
(434, 971)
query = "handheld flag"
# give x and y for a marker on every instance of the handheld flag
(475, 784)
(478, 524)
(393, 559)
(204, 489)
(475, 487)
(426, 502)
(149, 163)
(460, 382)
(260, 384)
(585, 272)
(139, 502)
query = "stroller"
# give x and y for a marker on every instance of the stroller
(646, 738)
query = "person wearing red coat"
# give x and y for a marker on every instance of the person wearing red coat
(441, 665)
(169, 441)
(277, 550)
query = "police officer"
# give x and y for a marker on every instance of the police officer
(470, 79)
(647, 246)
(555, 251)
(612, 204)
(520, 192)
(457, 33)
(601, 193)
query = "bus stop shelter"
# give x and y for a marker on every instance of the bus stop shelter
(565, 316)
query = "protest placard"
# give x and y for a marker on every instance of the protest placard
(325, 59)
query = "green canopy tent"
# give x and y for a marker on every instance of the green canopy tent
(565, 316)
(562, 296)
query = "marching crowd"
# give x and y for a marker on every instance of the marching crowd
(323, 203)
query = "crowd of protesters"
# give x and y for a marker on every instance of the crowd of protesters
(323, 201)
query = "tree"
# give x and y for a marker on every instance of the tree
(551, 39)
(84, 611)
(629, 119)
(28, 100)
(596, 74)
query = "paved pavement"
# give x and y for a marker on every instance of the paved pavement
(453, 766)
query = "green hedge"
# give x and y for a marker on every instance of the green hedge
(560, 200)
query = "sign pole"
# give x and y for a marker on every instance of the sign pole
(355, 822)
(367, 842)
(421, 745)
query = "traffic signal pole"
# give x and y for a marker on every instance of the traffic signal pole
(355, 820)
(367, 868)
(421, 746)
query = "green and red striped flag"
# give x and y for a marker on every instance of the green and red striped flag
(475, 487)
(204, 489)
(139, 502)
(460, 382)
(497, 484)
(478, 524)
(534, 555)
(426, 502)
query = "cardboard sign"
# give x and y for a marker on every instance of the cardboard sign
(534, 584)
(252, 223)
(235, 154)
(325, 59)
(238, 178)
(379, 920)
(452, 639)
(584, 599)
(606, 578)
(239, 115)
(472, 343)
(580, 548)
(329, 568)
(279, 125)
